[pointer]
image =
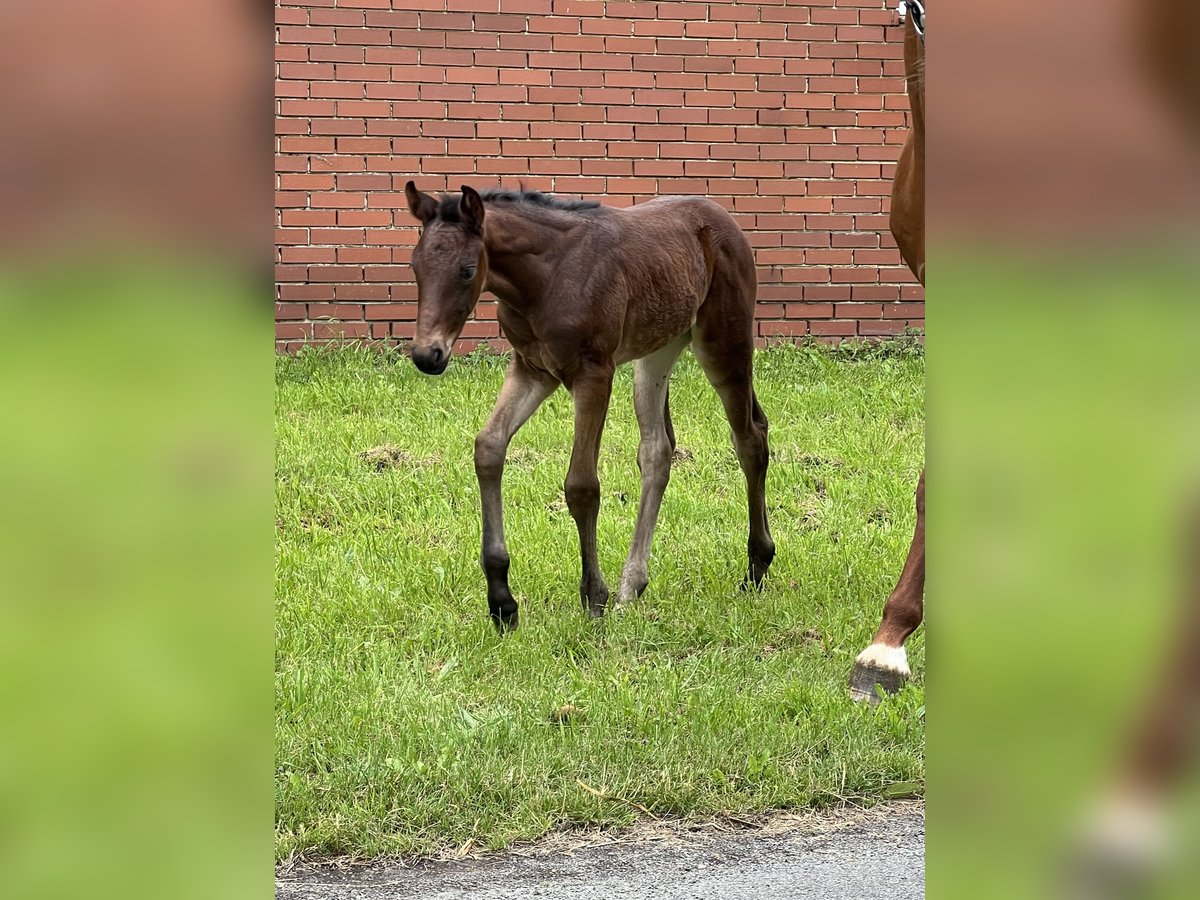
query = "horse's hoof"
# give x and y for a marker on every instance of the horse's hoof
(595, 607)
(594, 598)
(753, 583)
(1121, 851)
(760, 561)
(505, 622)
(630, 591)
(878, 665)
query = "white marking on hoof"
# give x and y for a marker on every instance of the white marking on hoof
(881, 656)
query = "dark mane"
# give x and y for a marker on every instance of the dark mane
(448, 208)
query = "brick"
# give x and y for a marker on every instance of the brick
(293, 34)
(306, 292)
(292, 330)
(287, 311)
(350, 72)
(834, 327)
(337, 54)
(810, 310)
(782, 329)
(336, 89)
(904, 310)
(306, 71)
(881, 327)
(361, 292)
(405, 312)
(344, 311)
(334, 273)
(307, 217)
(363, 255)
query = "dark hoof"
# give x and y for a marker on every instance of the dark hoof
(756, 572)
(594, 601)
(504, 616)
(596, 607)
(881, 666)
(755, 579)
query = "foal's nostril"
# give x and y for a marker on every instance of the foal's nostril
(430, 360)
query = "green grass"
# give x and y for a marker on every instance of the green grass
(406, 725)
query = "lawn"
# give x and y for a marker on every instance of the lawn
(405, 724)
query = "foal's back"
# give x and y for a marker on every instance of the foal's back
(670, 257)
(671, 228)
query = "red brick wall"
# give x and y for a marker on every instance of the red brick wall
(790, 114)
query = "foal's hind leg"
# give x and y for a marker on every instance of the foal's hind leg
(651, 375)
(730, 371)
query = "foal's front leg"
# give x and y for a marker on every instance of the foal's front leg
(523, 392)
(582, 488)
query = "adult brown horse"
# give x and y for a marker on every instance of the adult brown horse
(885, 663)
(583, 288)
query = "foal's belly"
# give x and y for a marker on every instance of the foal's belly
(641, 339)
(654, 320)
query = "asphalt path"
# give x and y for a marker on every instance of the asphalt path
(876, 854)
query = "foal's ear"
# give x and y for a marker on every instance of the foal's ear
(420, 205)
(471, 208)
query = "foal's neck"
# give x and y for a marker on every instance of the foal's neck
(522, 247)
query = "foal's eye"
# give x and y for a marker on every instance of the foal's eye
(467, 273)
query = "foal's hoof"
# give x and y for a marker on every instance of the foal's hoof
(756, 572)
(631, 590)
(754, 580)
(593, 596)
(879, 665)
(505, 621)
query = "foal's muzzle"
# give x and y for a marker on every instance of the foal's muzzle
(431, 360)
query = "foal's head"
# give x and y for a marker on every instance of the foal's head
(450, 263)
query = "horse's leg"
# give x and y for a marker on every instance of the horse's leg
(651, 375)
(885, 661)
(729, 370)
(523, 392)
(1127, 837)
(591, 391)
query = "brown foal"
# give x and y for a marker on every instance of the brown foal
(885, 663)
(583, 288)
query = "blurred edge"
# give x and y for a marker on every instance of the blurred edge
(1063, 436)
(135, 592)
(1064, 430)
